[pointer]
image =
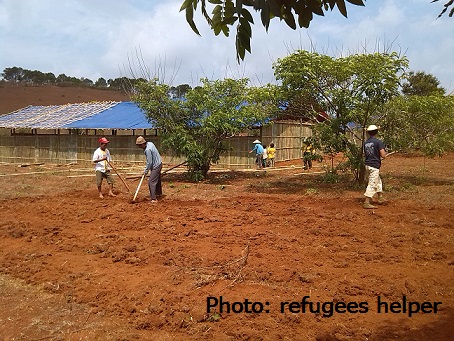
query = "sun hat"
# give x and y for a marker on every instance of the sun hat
(103, 140)
(256, 141)
(140, 140)
(372, 127)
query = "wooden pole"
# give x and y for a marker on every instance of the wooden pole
(121, 178)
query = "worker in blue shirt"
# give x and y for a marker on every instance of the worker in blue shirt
(154, 166)
(258, 148)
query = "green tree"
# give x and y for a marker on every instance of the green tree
(422, 84)
(124, 83)
(424, 123)
(229, 13)
(179, 91)
(62, 78)
(14, 74)
(196, 127)
(49, 78)
(101, 83)
(351, 90)
(86, 82)
(34, 77)
(23, 75)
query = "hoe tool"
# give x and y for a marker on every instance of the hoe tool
(121, 178)
(138, 187)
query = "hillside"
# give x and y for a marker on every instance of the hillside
(15, 97)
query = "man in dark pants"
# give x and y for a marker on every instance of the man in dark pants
(154, 166)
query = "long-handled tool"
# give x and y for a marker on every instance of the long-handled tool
(121, 178)
(167, 170)
(138, 187)
(388, 154)
(163, 173)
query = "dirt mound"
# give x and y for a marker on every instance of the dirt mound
(15, 97)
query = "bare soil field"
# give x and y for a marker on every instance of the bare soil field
(289, 256)
(17, 96)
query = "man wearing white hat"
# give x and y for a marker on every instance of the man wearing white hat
(374, 151)
(258, 148)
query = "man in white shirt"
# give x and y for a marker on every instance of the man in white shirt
(101, 159)
(265, 156)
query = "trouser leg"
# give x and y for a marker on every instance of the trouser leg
(374, 184)
(154, 182)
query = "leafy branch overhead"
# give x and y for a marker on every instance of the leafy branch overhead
(229, 13)
(446, 6)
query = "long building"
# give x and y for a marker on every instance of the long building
(69, 133)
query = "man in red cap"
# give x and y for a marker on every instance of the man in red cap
(101, 158)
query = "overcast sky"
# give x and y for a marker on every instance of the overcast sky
(108, 38)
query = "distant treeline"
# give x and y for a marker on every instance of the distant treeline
(19, 75)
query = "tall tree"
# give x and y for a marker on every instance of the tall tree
(197, 126)
(424, 123)
(62, 78)
(14, 74)
(179, 90)
(227, 13)
(86, 81)
(422, 84)
(101, 83)
(351, 90)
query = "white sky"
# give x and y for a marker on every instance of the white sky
(107, 38)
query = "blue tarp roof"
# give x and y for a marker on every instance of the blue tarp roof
(95, 115)
(125, 115)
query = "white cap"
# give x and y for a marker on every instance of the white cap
(256, 141)
(372, 127)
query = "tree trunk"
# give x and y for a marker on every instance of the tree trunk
(362, 168)
(205, 168)
(362, 174)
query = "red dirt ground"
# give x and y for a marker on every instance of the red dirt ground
(74, 267)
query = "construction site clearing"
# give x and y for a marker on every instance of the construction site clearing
(295, 256)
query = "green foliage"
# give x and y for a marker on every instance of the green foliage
(17, 75)
(196, 127)
(331, 177)
(446, 7)
(213, 317)
(179, 90)
(352, 90)
(226, 14)
(101, 83)
(422, 84)
(14, 74)
(424, 123)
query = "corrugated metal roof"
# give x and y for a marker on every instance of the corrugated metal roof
(96, 115)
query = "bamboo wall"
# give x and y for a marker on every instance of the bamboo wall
(287, 137)
(77, 146)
